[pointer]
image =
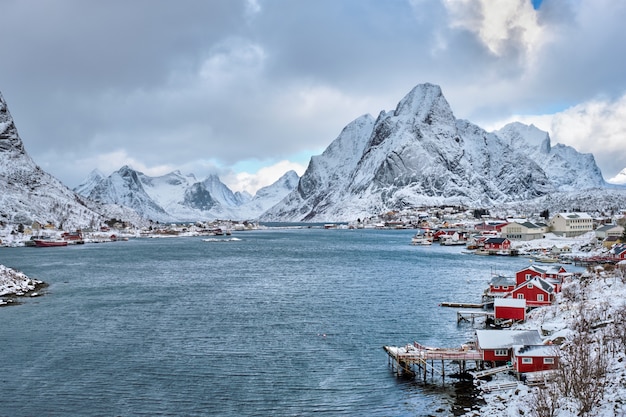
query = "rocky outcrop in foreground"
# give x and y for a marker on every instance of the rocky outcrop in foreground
(14, 283)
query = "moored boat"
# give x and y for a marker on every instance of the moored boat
(45, 243)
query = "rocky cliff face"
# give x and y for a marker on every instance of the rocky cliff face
(29, 194)
(420, 154)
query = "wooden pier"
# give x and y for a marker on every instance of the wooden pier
(414, 359)
(463, 305)
(470, 316)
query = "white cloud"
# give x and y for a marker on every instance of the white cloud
(251, 182)
(498, 23)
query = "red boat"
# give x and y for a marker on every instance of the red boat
(45, 243)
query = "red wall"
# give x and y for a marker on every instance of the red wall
(536, 366)
(515, 313)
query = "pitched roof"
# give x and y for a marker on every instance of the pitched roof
(536, 350)
(502, 280)
(504, 339)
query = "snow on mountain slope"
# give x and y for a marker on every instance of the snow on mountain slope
(175, 197)
(567, 169)
(417, 155)
(28, 194)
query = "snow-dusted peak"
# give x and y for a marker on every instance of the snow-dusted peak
(427, 103)
(518, 135)
(9, 138)
(93, 179)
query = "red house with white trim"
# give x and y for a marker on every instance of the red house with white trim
(537, 292)
(497, 345)
(535, 358)
(497, 243)
(500, 286)
(555, 275)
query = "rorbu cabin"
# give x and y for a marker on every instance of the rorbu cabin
(500, 286)
(496, 346)
(537, 292)
(509, 309)
(497, 244)
(555, 275)
(535, 358)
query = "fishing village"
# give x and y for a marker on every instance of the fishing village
(537, 326)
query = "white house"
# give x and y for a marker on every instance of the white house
(522, 231)
(571, 224)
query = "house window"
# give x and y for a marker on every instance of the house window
(496, 287)
(528, 277)
(548, 361)
(501, 352)
(520, 296)
(539, 297)
(527, 361)
(505, 287)
(530, 286)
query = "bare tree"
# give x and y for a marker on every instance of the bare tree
(545, 401)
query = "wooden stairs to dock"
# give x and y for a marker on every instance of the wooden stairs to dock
(491, 371)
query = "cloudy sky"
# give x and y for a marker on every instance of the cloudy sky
(249, 89)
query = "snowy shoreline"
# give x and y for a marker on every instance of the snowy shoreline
(15, 284)
(597, 292)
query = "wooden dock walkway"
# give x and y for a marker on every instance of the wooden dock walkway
(470, 316)
(491, 371)
(463, 305)
(405, 359)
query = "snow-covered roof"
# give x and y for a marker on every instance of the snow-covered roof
(577, 215)
(502, 280)
(535, 350)
(504, 339)
(509, 302)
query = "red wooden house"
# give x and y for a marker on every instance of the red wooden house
(497, 345)
(535, 358)
(500, 286)
(555, 275)
(509, 309)
(497, 243)
(537, 292)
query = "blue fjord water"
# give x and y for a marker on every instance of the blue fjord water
(283, 322)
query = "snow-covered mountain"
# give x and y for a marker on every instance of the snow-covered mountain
(175, 197)
(28, 194)
(421, 155)
(566, 168)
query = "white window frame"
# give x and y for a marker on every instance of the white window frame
(501, 352)
(548, 361)
(527, 361)
(539, 297)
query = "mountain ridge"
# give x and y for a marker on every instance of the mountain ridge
(421, 155)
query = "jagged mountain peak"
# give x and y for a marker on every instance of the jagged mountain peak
(426, 103)
(420, 154)
(520, 135)
(177, 197)
(10, 140)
